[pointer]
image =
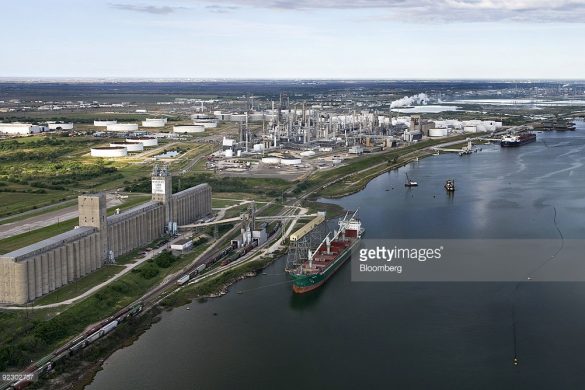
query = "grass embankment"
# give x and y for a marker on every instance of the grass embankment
(354, 175)
(29, 335)
(21, 240)
(81, 369)
(36, 212)
(79, 286)
(331, 210)
(214, 285)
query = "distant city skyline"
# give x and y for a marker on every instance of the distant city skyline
(286, 39)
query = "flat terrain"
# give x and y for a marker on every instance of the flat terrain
(47, 230)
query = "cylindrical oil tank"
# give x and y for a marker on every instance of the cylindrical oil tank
(154, 122)
(437, 132)
(307, 153)
(470, 129)
(130, 146)
(104, 123)
(60, 126)
(256, 117)
(290, 161)
(237, 117)
(109, 151)
(208, 124)
(122, 127)
(271, 160)
(188, 129)
(145, 141)
(228, 153)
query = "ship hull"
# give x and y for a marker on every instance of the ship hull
(304, 283)
(517, 143)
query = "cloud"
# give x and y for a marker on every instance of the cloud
(443, 11)
(149, 9)
(221, 9)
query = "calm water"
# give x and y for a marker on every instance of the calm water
(403, 335)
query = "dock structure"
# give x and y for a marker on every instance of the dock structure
(306, 239)
(320, 218)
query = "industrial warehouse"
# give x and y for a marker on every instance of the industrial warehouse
(35, 270)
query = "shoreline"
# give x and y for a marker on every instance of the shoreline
(84, 370)
(80, 370)
(360, 187)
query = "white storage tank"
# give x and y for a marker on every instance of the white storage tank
(271, 160)
(258, 147)
(256, 117)
(188, 129)
(307, 153)
(208, 124)
(154, 122)
(470, 129)
(109, 151)
(228, 153)
(442, 132)
(104, 123)
(60, 126)
(237, 117)
(291, 161)
(146, 141)
(326, 149)
(356, 150)
(205, 116)
(122, 127)
(130, 146)
(20, 128)
(228, 142)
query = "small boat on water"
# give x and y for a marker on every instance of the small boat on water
(450, 185)
(409, 182)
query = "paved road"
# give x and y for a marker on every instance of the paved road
(50, 218)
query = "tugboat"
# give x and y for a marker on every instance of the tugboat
(409, 182)
(450, 185)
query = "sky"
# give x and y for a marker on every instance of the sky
(288, 39)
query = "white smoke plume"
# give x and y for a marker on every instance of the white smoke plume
(421, 98)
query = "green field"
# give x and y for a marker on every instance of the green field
(17, 202)
(43, 170)
(80, 286)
